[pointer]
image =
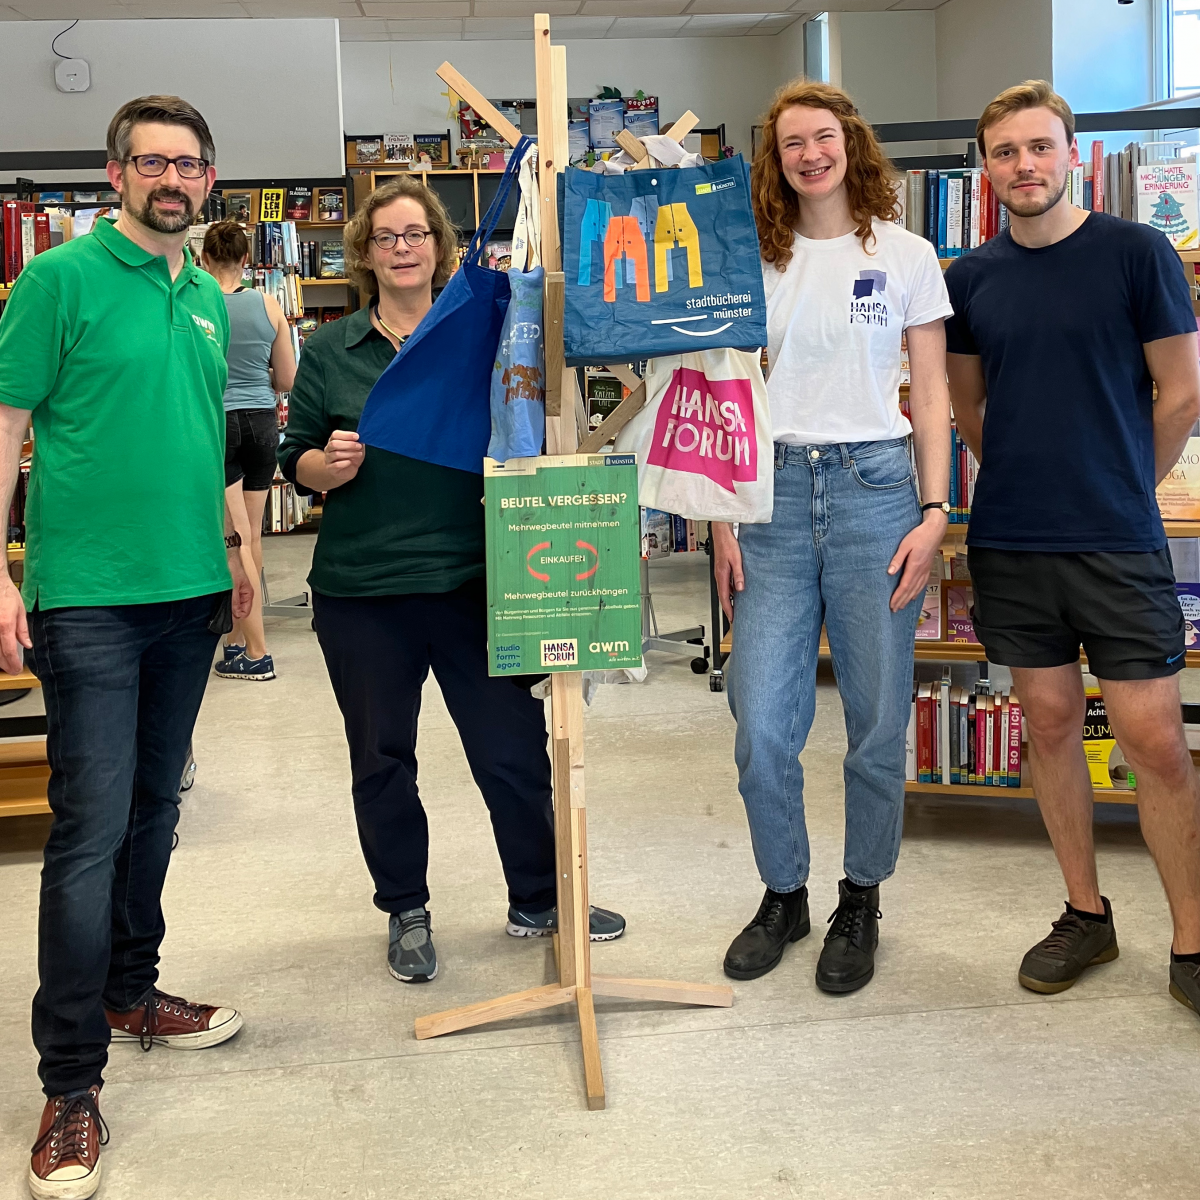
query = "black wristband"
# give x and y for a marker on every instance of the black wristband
(944, 505)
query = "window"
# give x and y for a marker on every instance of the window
(1184, 35)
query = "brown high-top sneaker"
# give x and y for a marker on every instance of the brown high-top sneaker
(65, 1162)
(162, 1020)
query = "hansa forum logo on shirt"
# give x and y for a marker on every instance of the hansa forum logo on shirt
(868, 306)
(210, 330)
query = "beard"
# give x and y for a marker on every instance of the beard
(166, 222)
(1035, 208)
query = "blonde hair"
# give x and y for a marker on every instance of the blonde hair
(357, 238)
(870, 177)
(1033, 93)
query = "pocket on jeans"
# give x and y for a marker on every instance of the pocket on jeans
(883, 469)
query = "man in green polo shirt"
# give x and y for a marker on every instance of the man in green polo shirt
(115, 344)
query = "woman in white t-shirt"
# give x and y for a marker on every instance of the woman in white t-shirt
(850, 544)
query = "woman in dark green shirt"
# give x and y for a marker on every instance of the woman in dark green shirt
(398, 590)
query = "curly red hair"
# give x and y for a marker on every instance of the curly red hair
(870, 177)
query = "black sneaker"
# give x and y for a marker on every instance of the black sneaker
(782, 917)
(1074, 944)
(1185, 984)
(847, 959)
(411, 956)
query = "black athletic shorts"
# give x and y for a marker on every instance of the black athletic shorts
(1033, 609)
(251, 439)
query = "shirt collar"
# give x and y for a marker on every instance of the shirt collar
(358, 327)
(130, 252)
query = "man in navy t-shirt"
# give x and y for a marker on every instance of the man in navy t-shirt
(1063, 326)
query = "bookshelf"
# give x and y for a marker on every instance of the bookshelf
(465, 193)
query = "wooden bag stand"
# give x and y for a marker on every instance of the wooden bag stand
(572, 946)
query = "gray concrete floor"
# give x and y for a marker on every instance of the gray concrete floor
(943, 1078)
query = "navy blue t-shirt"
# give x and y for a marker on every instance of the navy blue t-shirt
(1068, 434)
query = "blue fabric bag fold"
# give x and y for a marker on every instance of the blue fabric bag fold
(519, 373)
(432, 402)
(660, 262)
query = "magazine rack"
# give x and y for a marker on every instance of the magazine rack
(572, 948)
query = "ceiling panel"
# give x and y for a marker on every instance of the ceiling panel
(739, 6)
(633, 8)
(526, 8)
(639, 27)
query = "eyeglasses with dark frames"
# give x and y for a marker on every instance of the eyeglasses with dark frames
(412, 237)
(154, 165)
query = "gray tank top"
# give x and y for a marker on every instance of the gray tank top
(251, 336)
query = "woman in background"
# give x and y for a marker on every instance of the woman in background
(261, 363)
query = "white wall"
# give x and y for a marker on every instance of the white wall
(390, 86)
(984, 46)
(268, 89)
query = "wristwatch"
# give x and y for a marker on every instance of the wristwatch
(233, 540)
(944, 505)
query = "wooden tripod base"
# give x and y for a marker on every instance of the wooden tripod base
(517, 1004)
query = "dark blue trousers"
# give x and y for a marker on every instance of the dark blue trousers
(379, 651)
(122, 688)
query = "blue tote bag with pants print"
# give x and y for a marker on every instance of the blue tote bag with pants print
(432, 402)
(659, 262)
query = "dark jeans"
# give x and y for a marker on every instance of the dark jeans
(379, 650)
(122, 687)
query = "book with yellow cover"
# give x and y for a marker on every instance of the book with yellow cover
(1179, 492)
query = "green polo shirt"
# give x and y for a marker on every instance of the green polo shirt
(400, 525)
(123, 371)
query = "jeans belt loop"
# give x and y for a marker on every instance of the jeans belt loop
(780, 455)
(844, 450)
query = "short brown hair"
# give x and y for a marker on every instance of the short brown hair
(1033, 93)
(161, 110)
(870, 177)
(225, 242)
(358, 232)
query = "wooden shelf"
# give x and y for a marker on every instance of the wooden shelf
(324, 282)
(1101, 795)
(16, 683)
(320, 224)
(4, 293)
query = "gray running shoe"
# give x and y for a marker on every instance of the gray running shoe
(1185, 984)
(603, 926)
(1074, 944)
(411, 956)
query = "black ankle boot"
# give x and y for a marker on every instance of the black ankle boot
(847, 959)
(782, 917)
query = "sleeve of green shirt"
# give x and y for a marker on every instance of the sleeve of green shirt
(31, 343)
(308, 424)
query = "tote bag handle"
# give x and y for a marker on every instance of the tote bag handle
(492, 217)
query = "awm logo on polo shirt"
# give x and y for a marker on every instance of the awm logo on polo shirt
(210, 330)
(864, 308)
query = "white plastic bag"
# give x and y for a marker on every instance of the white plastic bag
(703, 439)
(527, 230)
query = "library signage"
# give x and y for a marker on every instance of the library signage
(563, 546)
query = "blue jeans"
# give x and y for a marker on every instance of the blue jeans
(840, 513)
(122, 687)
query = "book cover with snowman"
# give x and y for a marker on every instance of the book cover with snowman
(1167, 201)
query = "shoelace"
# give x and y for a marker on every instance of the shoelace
(158, 1002)
(1063, 933)
(415, 921)
(770, 910)
(69, 1136)
(849, 919)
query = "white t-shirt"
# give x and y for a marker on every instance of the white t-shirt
(834, 319)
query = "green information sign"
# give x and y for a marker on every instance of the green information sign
(563, 542)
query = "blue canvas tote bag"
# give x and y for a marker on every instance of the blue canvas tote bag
(660, 262)
(432, 402)
(519, 373)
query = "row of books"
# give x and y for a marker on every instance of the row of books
(1140, 183)
(26, 233)
(666, 533)
(963, 472)
(955, 210)
(285, 508)
(323, 260)
(963, 737)
(16, 512)
(408, 149)
(297, 203)
(955, 625)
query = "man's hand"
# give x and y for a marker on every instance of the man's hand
(243, 589)
(914, 557)
(727, 566)
(14, 628)
(343, 455)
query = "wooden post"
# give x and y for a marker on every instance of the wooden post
(572, 944)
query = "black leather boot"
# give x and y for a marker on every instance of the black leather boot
(782, 917)
(847, 959)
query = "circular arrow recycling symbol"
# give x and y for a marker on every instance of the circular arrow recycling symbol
(545, 578)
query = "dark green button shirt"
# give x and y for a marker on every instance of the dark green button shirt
(400, 525)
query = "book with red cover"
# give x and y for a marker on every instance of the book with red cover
(14, 255)
(924, 738)
(1098, 176)
(1014, 742)
(41, 232)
